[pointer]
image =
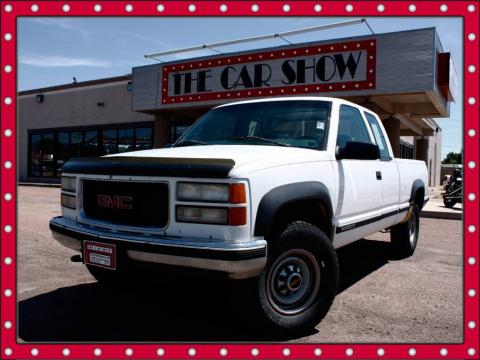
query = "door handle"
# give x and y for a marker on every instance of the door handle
(379, 175)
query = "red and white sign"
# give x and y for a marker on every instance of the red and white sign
(99, 254)
(324, 68)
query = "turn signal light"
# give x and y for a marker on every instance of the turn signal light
(238, 194)
(237, 216)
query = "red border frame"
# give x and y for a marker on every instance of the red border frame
(469, 10)
(369, 45)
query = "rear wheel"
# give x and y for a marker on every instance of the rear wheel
(449, 203)
(404, 237)
(297, 287)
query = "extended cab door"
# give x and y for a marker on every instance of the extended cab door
(389, 170)
(359, 203)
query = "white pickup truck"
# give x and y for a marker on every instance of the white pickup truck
(263, 189)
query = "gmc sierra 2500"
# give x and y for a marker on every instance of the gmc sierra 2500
(263, 189)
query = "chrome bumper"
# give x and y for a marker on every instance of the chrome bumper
(237, 260)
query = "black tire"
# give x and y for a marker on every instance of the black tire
(302, 264)
(404, 237)
(449, 203)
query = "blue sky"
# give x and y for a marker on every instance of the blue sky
(53, 50)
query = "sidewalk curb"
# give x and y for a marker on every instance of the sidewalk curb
(441, 215)
(50, 185)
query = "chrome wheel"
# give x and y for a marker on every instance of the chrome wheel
(293, 281)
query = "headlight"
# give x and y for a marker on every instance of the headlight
(203, 215)
(203, 192)
(69, 201)
(69, 183)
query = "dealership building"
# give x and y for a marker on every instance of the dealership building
(405, 77)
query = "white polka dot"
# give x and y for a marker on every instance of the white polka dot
(471, 228)
(349, 8)
(317, 352)
(349, 352)
(97, 352)
(471, 324)
(286, 8)
(471, 37)
(443, 352)
(160, 8)
(8, 132)
(129, 352)
(7, 228)
(8, 8)
(8, 260)
(223, 8)
(66, 352)
(7, 68)
(471, 100)
(66, 8)
(34, 352)
(471, 351)
(471, 164)
(412, 8)
(160, 352)
(471, 197)
(472, 132)
(286, 352)
(129, 8)
(380, 8)
(7, 36)
(8, 100)
(192, 352)
(471, 68)
(317, 8)
(412, 352)
(471, 8)
(471, 260)
(223, 352)
(34, 8)
(255, 8)
(7, 292)
(7, 197)
(192, 8)
(471, 292)
(8, 351)
(7, 324)
(380, 352)
(97, 8)
(443, 8)
(8, 165)
(255, 352)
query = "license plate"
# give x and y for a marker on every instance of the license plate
(99, 254)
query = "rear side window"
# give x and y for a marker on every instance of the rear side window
(351, 126)
(378, 135)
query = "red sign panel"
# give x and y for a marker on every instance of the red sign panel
(326, 68)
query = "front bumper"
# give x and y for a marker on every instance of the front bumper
(237, 260)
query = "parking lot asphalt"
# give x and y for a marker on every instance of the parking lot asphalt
(380, 299)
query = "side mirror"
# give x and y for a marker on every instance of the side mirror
(358, 151)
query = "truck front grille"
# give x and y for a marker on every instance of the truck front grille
(126, 203)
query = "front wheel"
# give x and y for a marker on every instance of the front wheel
(404, 237)
(448, 202)
(299, 283)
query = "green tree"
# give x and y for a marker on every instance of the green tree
(453, 158)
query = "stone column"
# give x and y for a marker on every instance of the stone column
(161, 131)
(392, 127)
(421, 150)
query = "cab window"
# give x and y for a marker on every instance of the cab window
(378, 135)
(351, 126)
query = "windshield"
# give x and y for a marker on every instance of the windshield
(298, 123)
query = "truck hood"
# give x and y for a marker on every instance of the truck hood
(247, 158)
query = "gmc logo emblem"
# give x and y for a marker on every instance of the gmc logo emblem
(115, 202)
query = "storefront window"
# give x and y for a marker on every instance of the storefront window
(50, 149)
(125, 140)
(36, 155)
(143, 139)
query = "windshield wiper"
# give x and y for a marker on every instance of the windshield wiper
(190, 142)
(258, 138)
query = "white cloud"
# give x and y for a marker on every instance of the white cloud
(64, 24)
(60, 61)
